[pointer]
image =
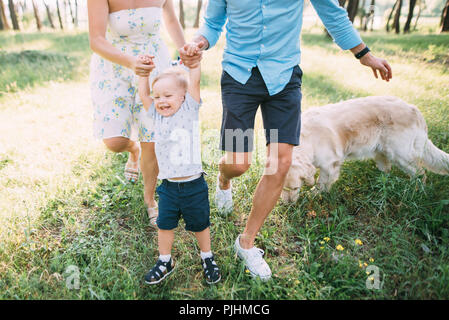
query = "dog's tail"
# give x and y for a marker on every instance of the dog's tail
(434, 159)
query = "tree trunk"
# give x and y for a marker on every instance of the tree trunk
(76, 13)
(13, 14)
(59, 15)
(181, 14)
(3, 20)
(198, 11)
(420, 5)
(50, 19)
(411, 7)
(36, 16)
(369, 16)
(71, 13)
(353, 6)
(391, 15)
(445, 18)
(397, 17)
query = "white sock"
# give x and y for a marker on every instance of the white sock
(205, 255)
(165, 257)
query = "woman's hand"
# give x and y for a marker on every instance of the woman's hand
(142, 65)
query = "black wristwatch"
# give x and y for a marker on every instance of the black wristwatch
(362, 53)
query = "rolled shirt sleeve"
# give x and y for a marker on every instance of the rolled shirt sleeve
(214, 20)
(335, 19)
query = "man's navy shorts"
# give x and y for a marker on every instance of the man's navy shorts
(187, 199)
(281, 113)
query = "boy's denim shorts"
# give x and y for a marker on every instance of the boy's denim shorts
(187, 199)
(281, 112)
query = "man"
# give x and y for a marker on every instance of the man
(260, 68)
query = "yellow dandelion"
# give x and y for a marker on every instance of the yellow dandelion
(321, 242)
(296, 282)
(321, 248)
(327, 239)
(365, 264)
(360, 264)
(368, 272)
(358, 242)
(340, 247)
(371, 260)
(247, 271)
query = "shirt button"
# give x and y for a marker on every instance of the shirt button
(262, 45)
(263, 6)
(264, 27)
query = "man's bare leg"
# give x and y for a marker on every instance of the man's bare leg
(232, 165)
(267, 191)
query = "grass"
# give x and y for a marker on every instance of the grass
(63, 200)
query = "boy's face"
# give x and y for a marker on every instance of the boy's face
(168, 97)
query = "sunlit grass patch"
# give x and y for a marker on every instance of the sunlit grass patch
(64, 202)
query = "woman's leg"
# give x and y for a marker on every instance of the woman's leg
(150, 170)
(122, 144)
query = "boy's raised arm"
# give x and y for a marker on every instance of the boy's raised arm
(194, 83)
(144, 92)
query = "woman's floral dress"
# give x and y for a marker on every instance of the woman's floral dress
(117, 108)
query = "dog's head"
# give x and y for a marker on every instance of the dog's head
(300, 172)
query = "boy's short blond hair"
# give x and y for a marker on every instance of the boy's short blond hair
(178, 73)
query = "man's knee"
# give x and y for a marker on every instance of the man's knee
(235, 170)
(279, 162)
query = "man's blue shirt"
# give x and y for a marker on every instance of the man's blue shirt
(266, 34)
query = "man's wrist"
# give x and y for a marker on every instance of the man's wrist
(362, 52)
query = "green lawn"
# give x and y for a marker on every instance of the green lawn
(63, 200)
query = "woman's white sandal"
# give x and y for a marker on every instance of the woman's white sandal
(152, 215)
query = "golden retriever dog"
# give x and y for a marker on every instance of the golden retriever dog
(382, 128)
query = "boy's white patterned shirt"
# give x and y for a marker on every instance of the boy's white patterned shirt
(178, 146)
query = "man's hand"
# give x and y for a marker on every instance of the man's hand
(192, 53)
(377, 65)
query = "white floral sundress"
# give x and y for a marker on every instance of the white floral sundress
(118, 110)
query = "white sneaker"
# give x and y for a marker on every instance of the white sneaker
(254, 262)
(223, 199)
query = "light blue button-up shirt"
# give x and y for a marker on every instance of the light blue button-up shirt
(266, 34)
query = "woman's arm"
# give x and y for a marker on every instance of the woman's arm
(98, 12)
(172, 24)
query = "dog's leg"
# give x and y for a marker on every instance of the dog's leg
(382, 163)
(328, 176)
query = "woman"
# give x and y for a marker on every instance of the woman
(120, 31)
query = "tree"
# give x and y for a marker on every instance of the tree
(397, 17)
(411, 7)
(13, 14)
(50, 19)
(181, 14)
(352, 8)
(4, 25)
(59, 15)
(36, 15)
(445, 18)
(198, 11)
(370, 16)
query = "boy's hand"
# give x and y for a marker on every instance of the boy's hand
(143, 65)
(191, 53)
